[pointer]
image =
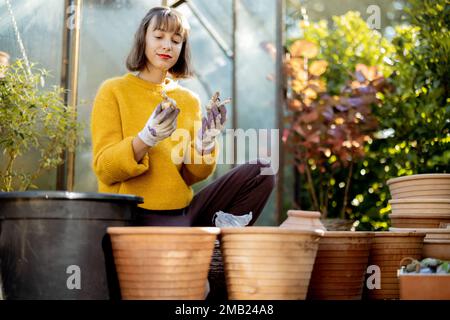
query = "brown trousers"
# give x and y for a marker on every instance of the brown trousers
(239, 191)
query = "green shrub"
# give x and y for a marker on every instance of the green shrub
(332, 120)
(32, 118)
(413, 117)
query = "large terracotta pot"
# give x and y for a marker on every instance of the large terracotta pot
(421, 207)
(163, 262)
(387, 250)
(418, 221)
(303, 220)
(436, 185)
(340, 266)
(268, 263)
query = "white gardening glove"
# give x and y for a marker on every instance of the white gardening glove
(212, 125)
(160, 125)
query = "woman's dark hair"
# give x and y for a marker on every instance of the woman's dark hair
(167, 19)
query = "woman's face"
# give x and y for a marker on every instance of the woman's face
(162, 48)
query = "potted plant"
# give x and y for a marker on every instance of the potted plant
(428, 279)
(49, 236)
(32, 119)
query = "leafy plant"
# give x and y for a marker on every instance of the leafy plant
(331, 106)
(413, 117)
(421, 99)
(32, 118)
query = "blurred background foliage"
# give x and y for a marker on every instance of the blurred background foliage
(412, 110)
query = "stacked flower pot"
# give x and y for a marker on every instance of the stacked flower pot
(420, 201)
(421, 204)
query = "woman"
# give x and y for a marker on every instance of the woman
(132, 148)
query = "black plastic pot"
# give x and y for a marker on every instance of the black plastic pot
(46, 236)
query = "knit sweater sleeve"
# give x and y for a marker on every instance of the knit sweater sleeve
(113, 156)
(199, 167)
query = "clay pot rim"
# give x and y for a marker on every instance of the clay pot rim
(270, 230)
(404, 274)
(399, 233)
(163, 230)
(437, 241)
(418, 216)
(305, 214)
(419, 176)
(345, 234)
(419, 200)
(421, 230)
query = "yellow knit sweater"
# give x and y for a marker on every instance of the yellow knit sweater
(121, 109)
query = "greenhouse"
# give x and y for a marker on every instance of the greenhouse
(198, 139)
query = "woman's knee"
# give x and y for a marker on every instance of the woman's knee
(262, 169)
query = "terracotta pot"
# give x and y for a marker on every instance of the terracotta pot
(420, 203)
(342, 258)
(417, 221)
(423, 212)
(162, 262)
(436, 248)
(268, 262)
(303, 220)
(421, 186)
(443, 235)
(420, 206)
(384, 245)
(424, 286)
(426, 193)
(432, 233)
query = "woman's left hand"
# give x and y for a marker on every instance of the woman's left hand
(212, 125)
(216, 118)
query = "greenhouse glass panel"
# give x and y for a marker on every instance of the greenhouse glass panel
(255, 68)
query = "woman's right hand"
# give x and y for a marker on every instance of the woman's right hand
(160, 125)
